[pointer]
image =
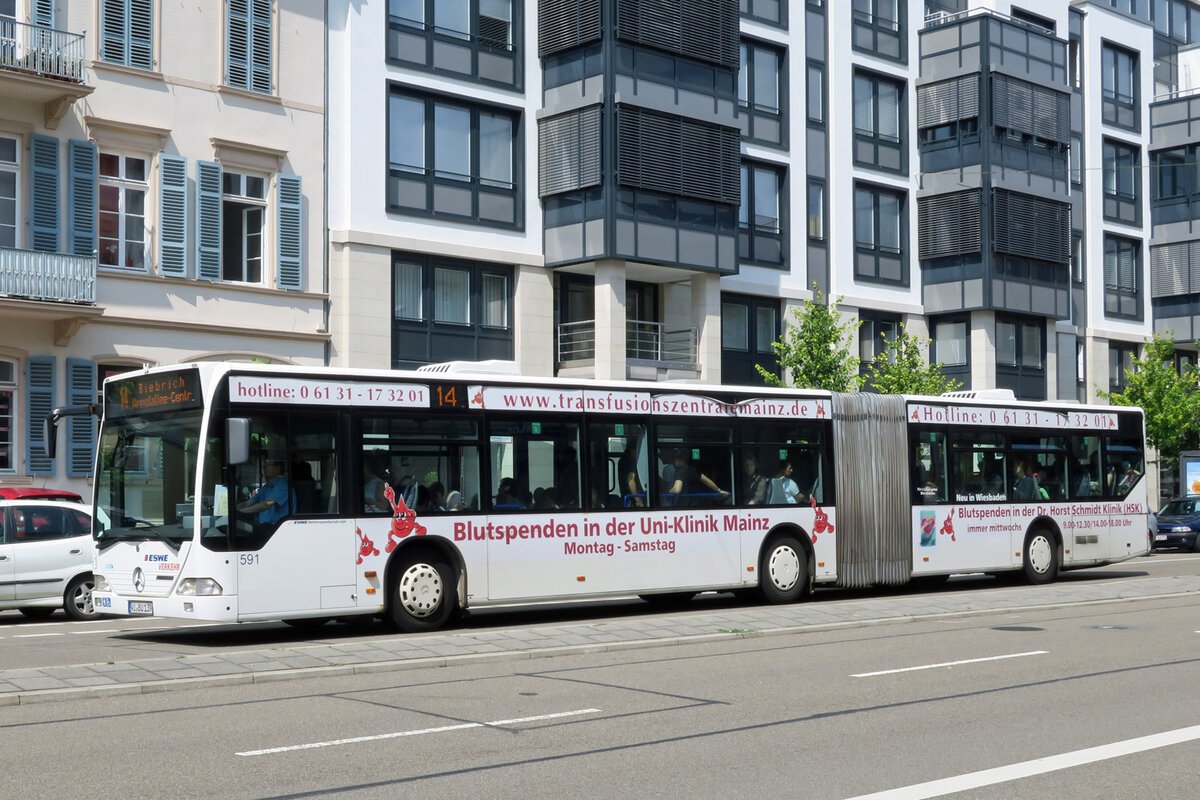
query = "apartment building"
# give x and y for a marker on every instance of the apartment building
(162, 200)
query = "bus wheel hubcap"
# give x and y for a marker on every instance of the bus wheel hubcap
(420, 590)
(1039, 554)
(784, 568)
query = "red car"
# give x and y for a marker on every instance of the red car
(30, 493)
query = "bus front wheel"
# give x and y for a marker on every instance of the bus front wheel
(783, 570)
(1041, 557)
(422, 592)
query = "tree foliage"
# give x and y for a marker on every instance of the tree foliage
(814, 349)
(903, 369)
(1170, 398)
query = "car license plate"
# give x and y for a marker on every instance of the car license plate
(139, 607)
(1160, 538)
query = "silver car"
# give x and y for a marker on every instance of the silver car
(46, 558)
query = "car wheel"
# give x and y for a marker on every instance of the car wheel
(1041, 557)
(1196, 544)
(422, 595)
(77, 601)
(783, 571)
(37, 612)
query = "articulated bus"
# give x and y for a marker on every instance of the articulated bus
(238, 492)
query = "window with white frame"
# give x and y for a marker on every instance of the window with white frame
(243, 213)
(8, 415)
(10, 168)
(126, 31)
(122, 211)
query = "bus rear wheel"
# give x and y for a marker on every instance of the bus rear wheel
(422, 596)
(783, 570)
(1041, 557)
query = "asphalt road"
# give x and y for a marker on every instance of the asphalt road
(1079, 701)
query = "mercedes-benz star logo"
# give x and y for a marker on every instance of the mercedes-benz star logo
(139, 579)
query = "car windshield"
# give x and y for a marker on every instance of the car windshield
(146, 477)
(1179, 508)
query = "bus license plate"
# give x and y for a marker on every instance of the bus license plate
(138, 607)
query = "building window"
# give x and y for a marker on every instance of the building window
(815, 92)
(477, 39)
(8, 415)
(10, 171)
(816, 209)
(445, 309)
(1075, 159)
(243, 211)
(248, 45)
(1122, 361)
(126, 33)
(1122, 284)
(749, 328)
(874, 332)
(760, 91)
(1078, 272)
(879, 27)
(1021, 357)
(1118, 85)
(760, 216)
(452, 160)
(879, 234)
(950, 343)
(1173, 176)
(879, 120)
(773, 12)
(122, 211)
(1122, 181)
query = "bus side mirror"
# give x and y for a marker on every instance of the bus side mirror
(237, 441)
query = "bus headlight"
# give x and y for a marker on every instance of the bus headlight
(99, 583)
(198, 586)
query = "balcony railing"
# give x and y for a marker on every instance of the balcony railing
(41, 51)
(35, 275)
(644, 341)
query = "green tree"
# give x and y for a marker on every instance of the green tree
(1169, 397)
(902, 368)
(814, 350)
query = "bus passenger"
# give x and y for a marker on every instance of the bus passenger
(686, 479)
(783, 489)
(374, 482)
(630, 481)
(755, 487)
(1025, 485)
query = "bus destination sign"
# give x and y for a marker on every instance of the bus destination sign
(304, 391)
(140, 394)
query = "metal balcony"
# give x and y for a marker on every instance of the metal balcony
(646, 343)
(52, 277)
(42, 65)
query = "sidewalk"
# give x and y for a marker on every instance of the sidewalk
(23, 686)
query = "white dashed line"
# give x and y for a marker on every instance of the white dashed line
(419, 732)
(949, 664)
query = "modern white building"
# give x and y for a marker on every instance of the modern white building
(162, 200)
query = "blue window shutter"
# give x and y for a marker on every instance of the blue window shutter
(81, 201)
(43, 13)
(172, 215)
(208, 220)
(43, 193)
(141, 42)
(237, 43)
(260, 46)
(39, 402)
(114, 41)
(81, 430)
(290, 239)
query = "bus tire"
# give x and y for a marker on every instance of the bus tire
(783, 570)
(77, 600)
(422, 592)
(1041, 556)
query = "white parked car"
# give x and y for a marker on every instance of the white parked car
(46, 557)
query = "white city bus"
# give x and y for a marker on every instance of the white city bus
(499, 489)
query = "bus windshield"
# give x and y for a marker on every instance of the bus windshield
(147, 471)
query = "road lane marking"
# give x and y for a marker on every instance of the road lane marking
(35, 635)
(1037, 766)
(419, 732)
(949, 664)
